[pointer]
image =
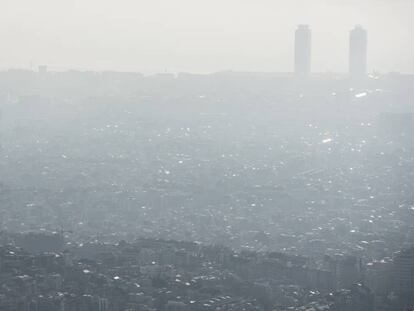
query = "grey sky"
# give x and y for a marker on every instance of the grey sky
(200, 35)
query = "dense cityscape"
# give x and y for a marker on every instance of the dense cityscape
(228, 191)
(125, 192)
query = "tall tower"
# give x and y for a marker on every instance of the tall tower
(303, 42)
(358, 42)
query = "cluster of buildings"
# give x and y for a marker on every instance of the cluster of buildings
(169, 275)
(358, 43)
(151, 274)
(308, 187)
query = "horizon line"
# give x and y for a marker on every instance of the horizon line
(228, 71)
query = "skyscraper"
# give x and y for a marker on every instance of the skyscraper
(303, 38)
(358, 52)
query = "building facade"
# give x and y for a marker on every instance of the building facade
(358, 43)
(303, 43)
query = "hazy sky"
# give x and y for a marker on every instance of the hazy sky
(200, 35)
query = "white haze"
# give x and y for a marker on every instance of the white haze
(200, 35)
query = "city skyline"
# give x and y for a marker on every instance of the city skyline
(192, 155)
(302, 58)
(200, 37)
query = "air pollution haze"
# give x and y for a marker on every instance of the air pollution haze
(200, 36)
(188, 155)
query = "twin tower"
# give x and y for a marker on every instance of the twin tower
(357, 51)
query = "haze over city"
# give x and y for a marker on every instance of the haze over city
(188, 155)
(200, 36)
